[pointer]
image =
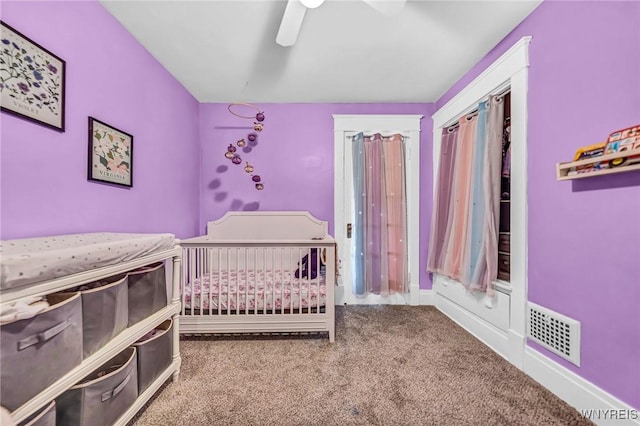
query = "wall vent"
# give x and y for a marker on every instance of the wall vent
(554, 331)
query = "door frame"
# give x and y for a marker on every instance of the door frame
(409, 126)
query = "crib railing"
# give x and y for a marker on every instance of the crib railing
(261, 279)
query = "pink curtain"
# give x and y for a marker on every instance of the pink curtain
(491, 182)
(396, 209)
(442, 200)
(464, 226)
(455, 248)
(381, 213)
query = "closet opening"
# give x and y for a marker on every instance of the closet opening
(498, 319)
(504, 234)
(470, 229)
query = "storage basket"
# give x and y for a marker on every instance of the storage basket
(40, 350)
(154, 354)
(105, 312)
(103, 396)
(147, 292)
(44, 417)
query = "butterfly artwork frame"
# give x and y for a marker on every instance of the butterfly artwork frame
(32, 80)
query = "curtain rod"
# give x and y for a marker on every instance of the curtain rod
(370, 136)
(474, 111)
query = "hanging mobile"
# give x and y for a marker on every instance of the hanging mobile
(257, 179)
(258, 126)
(259, 116)
(230, 151)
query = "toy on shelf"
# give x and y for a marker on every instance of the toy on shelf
(590, 151)
(588, 168)
(619, 153)
(585, 152)
(624, 140)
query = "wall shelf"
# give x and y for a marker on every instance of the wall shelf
(563, 169)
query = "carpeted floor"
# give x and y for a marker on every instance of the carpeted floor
(390, 365)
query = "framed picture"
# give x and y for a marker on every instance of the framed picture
(110, 154)
(32, 80)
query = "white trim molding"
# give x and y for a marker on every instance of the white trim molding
(409, 126)
(599, 406)
(427, 297)
(492, 79)
(508, 71)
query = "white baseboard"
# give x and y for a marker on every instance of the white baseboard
(416, 297)
(341, 298)
(488, 334)
(578, 392)
(339, 295)
(414, 294)
(427, 297)
(517, 343)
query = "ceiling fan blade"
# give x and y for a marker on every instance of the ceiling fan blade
(387, 7)
(291, 23)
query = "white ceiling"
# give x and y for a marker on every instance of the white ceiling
(347, 51)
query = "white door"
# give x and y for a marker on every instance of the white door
(344, 201)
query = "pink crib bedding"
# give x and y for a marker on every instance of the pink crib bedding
(254, 290)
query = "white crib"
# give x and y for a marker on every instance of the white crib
(260, 272)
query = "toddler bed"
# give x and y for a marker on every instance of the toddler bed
(259, 272)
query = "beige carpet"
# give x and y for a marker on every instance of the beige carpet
(390, 365)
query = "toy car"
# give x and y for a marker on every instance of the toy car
(624, 140)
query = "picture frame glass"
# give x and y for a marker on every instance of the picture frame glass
(110, 154)
(32, 79)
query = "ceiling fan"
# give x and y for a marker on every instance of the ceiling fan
(296, 9)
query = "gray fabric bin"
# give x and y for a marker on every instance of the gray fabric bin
(40, 350)
(154, 355)
(103, 396)
(46, 416)
(147, 291)
(105, 312)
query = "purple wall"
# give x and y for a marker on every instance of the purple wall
(584, 235)
(111, 77)
(295, 159)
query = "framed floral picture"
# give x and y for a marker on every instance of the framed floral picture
(110, 154)
(32, 80)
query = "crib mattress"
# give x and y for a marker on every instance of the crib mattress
(254, 290)
(33, 260)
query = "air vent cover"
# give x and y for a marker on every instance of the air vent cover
(554, 331)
